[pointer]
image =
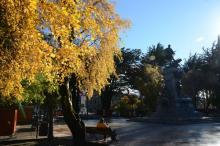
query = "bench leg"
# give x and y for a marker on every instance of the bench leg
(114, 135)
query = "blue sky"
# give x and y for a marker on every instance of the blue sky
(187, 25)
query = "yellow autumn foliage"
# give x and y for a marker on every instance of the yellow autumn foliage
(85, 35)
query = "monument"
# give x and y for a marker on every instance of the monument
(173, 105)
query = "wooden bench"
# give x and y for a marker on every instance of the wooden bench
(106, 132)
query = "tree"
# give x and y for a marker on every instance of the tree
(43, 94)
(202, 77)
(127, 105)
(132, 101)
(124, 79)
(149, 76)
(84, 38)
(158, 55)
(129, 67)
(150, 84)
(192, 78)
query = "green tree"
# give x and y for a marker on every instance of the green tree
(149, 76)
(123, 79)
(127, 105)
(150, 84)
(44, 94)
(158, 55)
(202, 77)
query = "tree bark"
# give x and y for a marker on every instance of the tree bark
(106, 98)
(73, 121)
(50, 105)
(50, 121)
(76, 99)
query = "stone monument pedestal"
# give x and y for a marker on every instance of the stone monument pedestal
(180, 110)
(174, 106)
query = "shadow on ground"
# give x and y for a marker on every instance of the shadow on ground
(45, 142)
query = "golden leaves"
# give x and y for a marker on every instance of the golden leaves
(84, 39)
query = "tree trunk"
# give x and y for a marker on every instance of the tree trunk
(106, 98)
(50, 121)
(87, 102)
(76, 99)
(71, 118)
(50, 105)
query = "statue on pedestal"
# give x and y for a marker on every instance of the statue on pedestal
(173, 105)
(172, 77)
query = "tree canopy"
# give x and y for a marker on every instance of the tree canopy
(201, 80)
(83, 36)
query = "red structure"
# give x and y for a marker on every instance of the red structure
(26, 116)
(8, 120)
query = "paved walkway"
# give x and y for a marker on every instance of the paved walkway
(24, 132)
(143, 134)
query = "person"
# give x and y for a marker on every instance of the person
(103, 125)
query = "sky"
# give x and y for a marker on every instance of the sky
(188, 25)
